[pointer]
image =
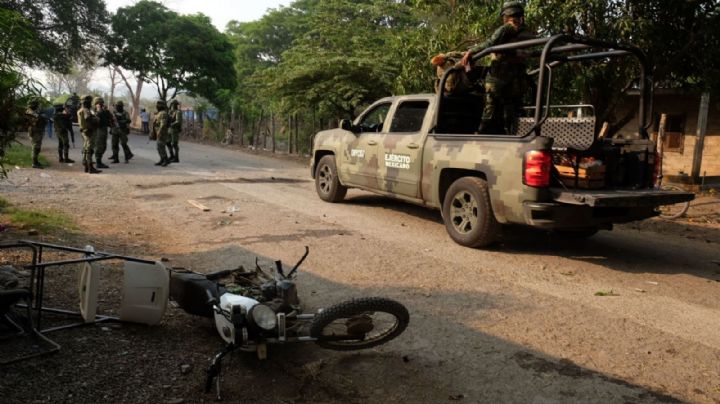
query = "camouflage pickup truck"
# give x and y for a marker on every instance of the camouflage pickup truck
(555, 169)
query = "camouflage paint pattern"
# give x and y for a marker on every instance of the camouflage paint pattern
(415, 166)
(160, 132)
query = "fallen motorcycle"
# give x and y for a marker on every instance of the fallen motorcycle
(256, 308)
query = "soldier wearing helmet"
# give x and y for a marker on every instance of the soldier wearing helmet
(175, 130)
(105, 121)
(62, 123)
(506, 80)
(36, 129)
(88, 124)
(120, 133)
(160, 127)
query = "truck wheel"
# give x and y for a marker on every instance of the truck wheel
(467, 213)
(327, 183)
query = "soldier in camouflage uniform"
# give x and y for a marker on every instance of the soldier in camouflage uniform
(62, 124)
(36, 129)
(175, 130)
(105, 121)
(506, 81)
(120, 133)
(88, 123)
(160, 127)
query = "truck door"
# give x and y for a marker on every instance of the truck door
(359, 161)
(400, 151)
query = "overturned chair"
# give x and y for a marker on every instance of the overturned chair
(16, 323)
(144, 294)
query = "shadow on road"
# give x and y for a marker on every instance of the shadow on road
(131, 363)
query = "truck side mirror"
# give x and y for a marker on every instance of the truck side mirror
(345, 124)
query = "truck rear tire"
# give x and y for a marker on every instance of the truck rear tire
(467, 213)
(327, 183)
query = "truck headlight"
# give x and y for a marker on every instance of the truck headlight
(264, 317)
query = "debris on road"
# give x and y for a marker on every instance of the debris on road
(198, 205)
(606, 293)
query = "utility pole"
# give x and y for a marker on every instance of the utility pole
(700, 136)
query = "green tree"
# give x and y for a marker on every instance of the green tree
(41, 34)
(173, 52)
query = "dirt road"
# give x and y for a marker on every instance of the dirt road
(521, 322)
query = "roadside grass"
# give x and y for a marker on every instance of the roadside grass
(17, 154)
(46, 221)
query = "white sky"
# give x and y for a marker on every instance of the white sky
(219, 11)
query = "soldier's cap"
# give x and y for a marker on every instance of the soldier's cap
(119, 104)
(87, 98)
(174, 102)
(512, 8)
(160, 102)
(98, 100)
(34, 103)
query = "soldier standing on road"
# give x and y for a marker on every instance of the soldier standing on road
(161, 125)
(36, 129)
(88, 123)
(506, 80)
(101, 134)
(120, 133)
(176, 121)
(63, 125)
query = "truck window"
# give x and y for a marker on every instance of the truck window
(373, 120)
(409, 117)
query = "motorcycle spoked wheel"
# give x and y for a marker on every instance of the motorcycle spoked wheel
(359, 323)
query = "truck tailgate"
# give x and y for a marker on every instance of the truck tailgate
(620, 198)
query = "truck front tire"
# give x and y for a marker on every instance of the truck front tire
(468, 214)
(327, 183)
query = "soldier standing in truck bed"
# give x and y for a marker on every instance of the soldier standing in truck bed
(506, 80)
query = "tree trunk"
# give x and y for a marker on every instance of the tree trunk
(272, 131)
(134, 96)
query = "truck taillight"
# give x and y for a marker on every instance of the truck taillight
(536, 172)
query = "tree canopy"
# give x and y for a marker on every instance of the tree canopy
(174, 52)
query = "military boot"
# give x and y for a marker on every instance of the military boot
(67, 159)
(35, 162)
(60, 154)
(161, 162)
(176, 157)
(114, 159)
(91, 169)
(99, 162)
(171, 158)
(128, 153)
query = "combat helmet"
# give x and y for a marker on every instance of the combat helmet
(160, 105)
(33, 103)
(174, 102)
(511, 8)
(98, 100)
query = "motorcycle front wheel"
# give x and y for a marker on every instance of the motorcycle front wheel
(359, 323)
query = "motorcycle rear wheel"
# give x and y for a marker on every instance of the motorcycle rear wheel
(359, 323)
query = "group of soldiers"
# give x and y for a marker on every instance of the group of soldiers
(96, 121)
(505, 81)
